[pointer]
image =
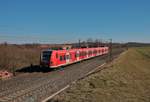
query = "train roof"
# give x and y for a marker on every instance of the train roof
(74, 49)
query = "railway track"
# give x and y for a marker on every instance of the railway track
(35, 87)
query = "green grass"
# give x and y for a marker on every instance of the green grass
(126, 80)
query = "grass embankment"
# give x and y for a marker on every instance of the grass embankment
(126, 80)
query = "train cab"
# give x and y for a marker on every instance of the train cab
(45, 58)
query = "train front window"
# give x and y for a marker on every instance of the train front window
(46, 55)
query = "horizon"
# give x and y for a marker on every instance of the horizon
(68, 21)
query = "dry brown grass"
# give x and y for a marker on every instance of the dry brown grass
(18, 56)
(128, 80)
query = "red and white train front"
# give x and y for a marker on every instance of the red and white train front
(45, 58)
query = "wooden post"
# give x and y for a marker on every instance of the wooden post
(79, 43)
(110, 50)
(127, 46)
(14, 74)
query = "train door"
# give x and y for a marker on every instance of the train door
(77, 55)
(87, 54)
(67, 57)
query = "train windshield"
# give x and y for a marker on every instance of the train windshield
(46, 55)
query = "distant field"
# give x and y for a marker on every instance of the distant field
(127, 79)
(18, 56)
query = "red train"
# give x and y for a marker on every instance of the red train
(57, 58)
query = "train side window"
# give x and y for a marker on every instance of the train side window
(70, 56)
(56, 55)
(61, 58)
(80, 54)
(64, 57)
(89, 53)
(95, 52)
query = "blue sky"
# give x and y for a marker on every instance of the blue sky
(62, 21)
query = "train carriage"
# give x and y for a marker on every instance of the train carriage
(57, 58)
